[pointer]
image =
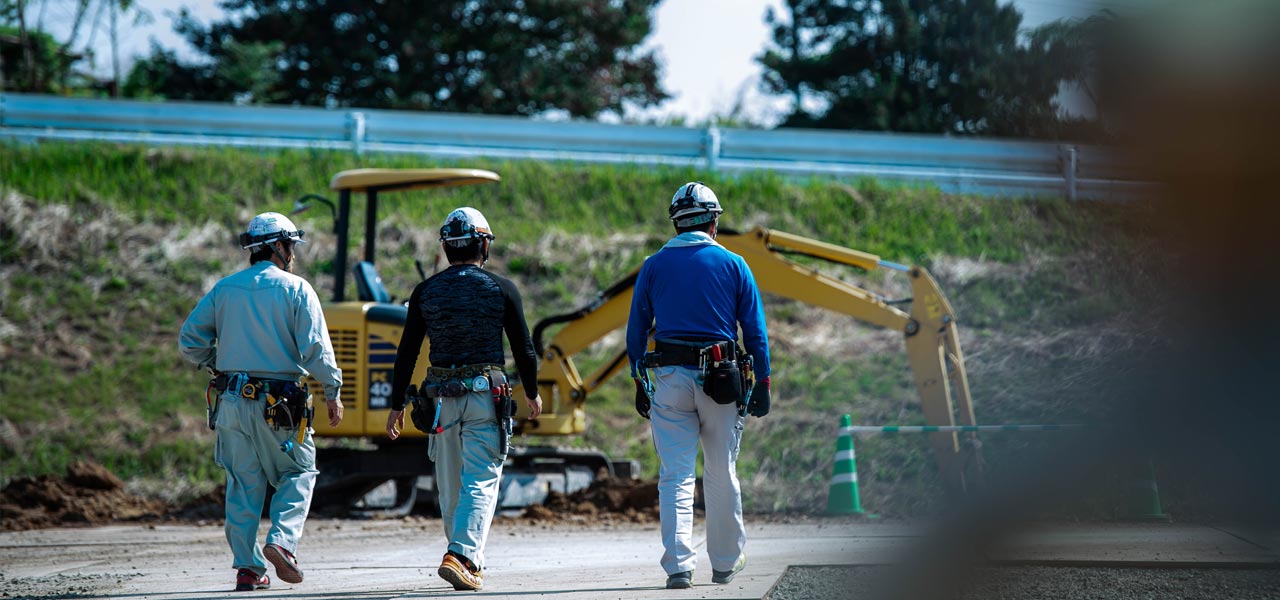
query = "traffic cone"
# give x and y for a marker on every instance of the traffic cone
(1143, 502)
(842, 498)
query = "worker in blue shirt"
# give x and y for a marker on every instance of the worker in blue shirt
(692, 296)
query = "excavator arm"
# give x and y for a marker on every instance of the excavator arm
(929, 329)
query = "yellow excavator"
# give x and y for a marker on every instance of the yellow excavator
(366, 331)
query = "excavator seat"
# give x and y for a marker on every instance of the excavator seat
(369, 286)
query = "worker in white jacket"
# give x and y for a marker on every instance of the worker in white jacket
(260, 331)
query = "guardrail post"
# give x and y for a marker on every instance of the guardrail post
(1070, 163)
(713, 146)
(355, 130)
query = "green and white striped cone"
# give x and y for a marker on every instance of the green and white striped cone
(1143, 502)
(842, 499)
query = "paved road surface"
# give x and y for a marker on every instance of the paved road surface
(373, 560)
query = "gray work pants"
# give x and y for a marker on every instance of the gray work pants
(249, 450)
(681, 417)
(468, 471)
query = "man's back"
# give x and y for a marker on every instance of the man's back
(695, 289)
(266, 322)
(463, 307)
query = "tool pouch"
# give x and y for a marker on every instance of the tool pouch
(287, 405)
(504, 408)
(217, 385)
(425, 408)
(723, 380)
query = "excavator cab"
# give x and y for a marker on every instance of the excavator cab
(365, 333)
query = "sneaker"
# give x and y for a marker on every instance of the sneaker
(247, 581)
(458, 571)
(680, 581)
(727, 576)
(286, 564)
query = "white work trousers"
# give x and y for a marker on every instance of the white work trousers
(248, 448)
(468, 471)
(681, 416)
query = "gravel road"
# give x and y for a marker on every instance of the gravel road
(1059, 583)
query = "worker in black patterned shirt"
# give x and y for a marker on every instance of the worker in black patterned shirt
(464, 311)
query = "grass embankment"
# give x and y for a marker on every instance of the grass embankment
(106, 248)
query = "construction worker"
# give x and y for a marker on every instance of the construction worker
(464, 310)
(692, 295)
(261, 330)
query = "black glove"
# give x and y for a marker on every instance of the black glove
(759, 405)
(642, 398)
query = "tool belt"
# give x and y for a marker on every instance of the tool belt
(726, 369)
(668, 354)
(454, 383)
(287, 402)
(252, 388)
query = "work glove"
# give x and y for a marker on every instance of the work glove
(759, 405)
(642, 398)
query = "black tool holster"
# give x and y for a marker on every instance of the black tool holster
(426, 409)
(725, 380)
(504, 408)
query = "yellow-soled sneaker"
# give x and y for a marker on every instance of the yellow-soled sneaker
(453, 570)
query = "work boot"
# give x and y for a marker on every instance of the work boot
(248, 581)
(286, 564)
(727, 576)
(680, 581)
(459, 571)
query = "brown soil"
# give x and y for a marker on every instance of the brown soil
(604, 500)
(88, 495)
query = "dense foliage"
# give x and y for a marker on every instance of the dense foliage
(929, 66)
(520, 57)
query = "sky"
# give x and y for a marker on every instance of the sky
(707, 47)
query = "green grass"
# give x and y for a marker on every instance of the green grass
(112, 245)
(183, 186)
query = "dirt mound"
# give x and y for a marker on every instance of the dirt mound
(205, 508)
(88, 495)
(605, 499)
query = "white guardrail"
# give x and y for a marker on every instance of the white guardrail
(957, 165)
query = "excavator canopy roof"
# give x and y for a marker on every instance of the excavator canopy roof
(359, 180)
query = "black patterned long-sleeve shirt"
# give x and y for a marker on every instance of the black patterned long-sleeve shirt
(464, 310)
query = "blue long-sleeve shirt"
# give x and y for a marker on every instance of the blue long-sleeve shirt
(693, 288)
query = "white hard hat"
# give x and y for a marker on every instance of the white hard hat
(269, 227)
(463, 225)
(694, 204)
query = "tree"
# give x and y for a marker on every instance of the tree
(247, 72)
(32, 60)
(493, 56)
(934, 66)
